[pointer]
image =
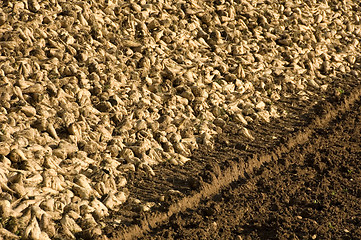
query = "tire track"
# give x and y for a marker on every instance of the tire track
(236, 170)
(312, 192)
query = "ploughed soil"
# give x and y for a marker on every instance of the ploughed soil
(311, 191)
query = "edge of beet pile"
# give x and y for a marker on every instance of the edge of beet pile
(237, 170)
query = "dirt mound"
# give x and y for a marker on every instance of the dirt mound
(212, 170)
(313, 192)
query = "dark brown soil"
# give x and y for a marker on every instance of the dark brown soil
(301, 193)
(314, 192)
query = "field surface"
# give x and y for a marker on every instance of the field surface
(312, 192)
(300, 180)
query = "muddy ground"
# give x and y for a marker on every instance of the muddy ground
(310, 192)
(314, 192)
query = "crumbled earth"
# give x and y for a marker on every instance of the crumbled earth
(176, 182)
(313, 192)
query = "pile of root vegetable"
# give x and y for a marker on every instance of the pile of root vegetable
(93, 90)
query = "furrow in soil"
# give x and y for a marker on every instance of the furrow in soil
(311, 192)
(232, 159)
